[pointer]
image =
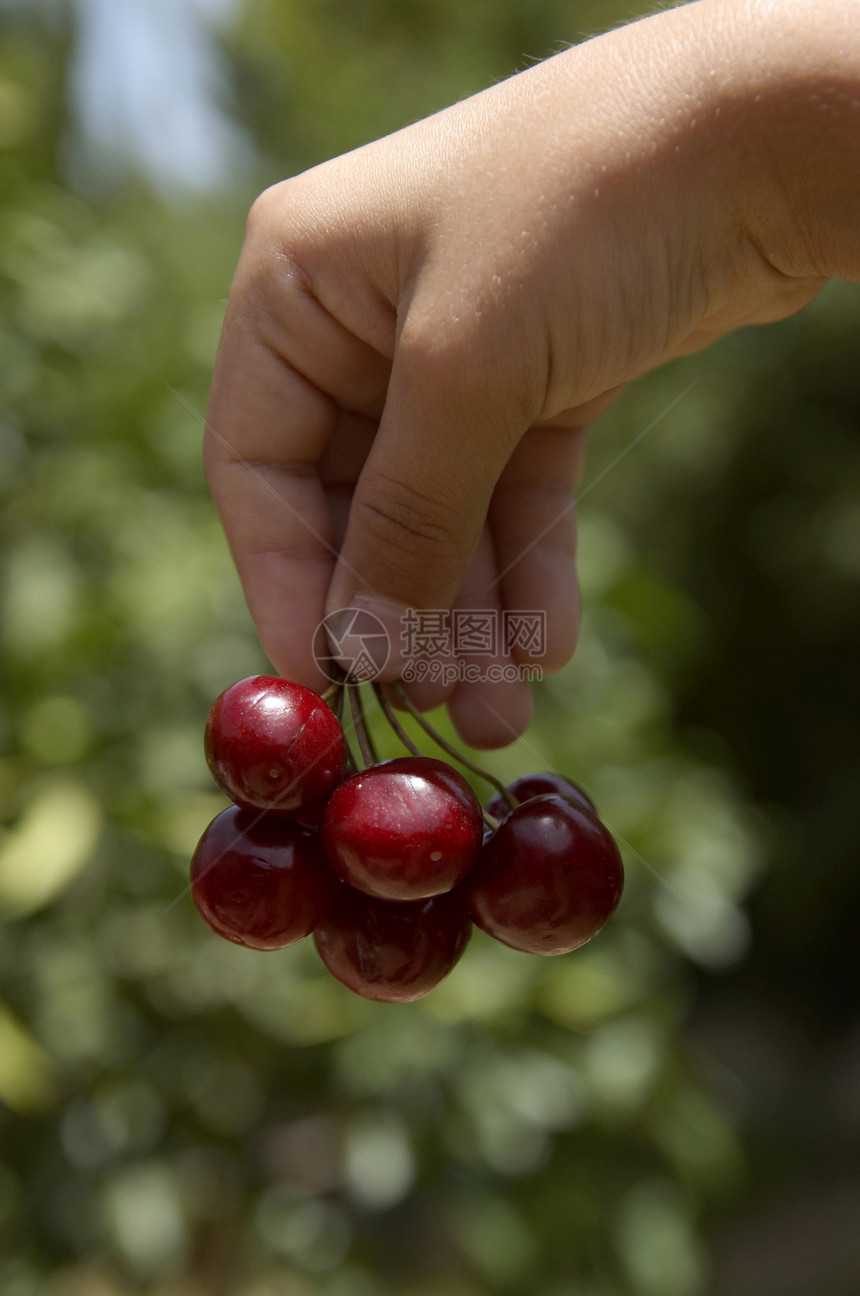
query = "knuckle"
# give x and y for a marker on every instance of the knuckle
(443, 355)
(271, 269)
(456, 360)
(266, 212)
(399, 519)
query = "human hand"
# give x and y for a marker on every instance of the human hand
(419, 332)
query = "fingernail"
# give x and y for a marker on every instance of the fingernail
(366, 637)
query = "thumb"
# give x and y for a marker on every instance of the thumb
(418, 509)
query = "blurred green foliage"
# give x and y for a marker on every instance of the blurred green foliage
(181, 1117)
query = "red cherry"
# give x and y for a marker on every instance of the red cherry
(548, 878)
(404, 829)
(260, 881)
(392, 951)
(274, 745)
(532, 785)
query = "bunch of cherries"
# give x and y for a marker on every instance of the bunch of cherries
(389, 865)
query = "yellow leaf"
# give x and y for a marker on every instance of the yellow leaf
(48, 848)
(28, 1075)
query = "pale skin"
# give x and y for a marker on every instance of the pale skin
(420, 332)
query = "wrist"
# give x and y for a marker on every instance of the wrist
(790, 72)
(720, 143)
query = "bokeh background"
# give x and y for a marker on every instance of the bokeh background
(672, 1111)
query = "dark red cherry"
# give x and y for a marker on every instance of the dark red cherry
(532, 785)
(392, 951)
(404, 829)
(274, 745)
(548, 878)
(311, 817)
(259, 880)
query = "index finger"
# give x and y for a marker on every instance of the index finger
(265, 428)
(285, 378)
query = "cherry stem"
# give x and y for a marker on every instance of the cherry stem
(425, 724)
(388, 711)
(362, 733)
(334, 691)
(337, 707)
(334, 698)
(490, 820)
